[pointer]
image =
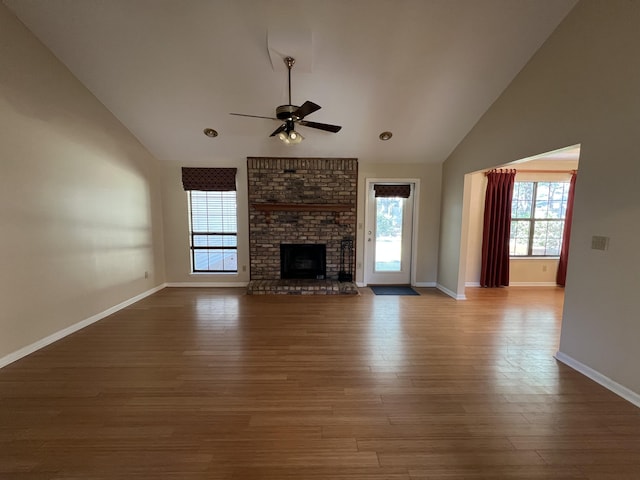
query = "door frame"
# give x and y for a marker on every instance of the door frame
(414, 227)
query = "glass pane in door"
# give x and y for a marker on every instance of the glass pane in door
(388, 249)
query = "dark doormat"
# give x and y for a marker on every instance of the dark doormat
(393, 290)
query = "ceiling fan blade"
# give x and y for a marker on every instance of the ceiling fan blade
(281, 128)
(252, 116)
(321, 126)
(306, 108)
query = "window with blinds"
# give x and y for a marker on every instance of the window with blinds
(214, 231)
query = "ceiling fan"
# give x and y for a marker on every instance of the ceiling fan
(291, 114)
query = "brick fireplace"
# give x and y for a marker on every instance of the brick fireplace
(300, 201)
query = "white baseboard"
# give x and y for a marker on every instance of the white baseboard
(451, 293)
(207, 284)
(54, 337)
(417, 284)
(517, 284)
(598, 377)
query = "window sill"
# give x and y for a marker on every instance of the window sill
(213, 273)
(534, 258)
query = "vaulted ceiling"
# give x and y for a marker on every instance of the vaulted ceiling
(425, 70)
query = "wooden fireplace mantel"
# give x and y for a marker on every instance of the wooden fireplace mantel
(268, 208)
(301, 207)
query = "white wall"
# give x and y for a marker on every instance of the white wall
(429, 213)
(176, 223)
(580, 88)
(474, 218)
(79, 201)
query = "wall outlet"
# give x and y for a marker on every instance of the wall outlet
(244, 268)
(359, 266)
(544, 268)
(146, 274)
(599, 243)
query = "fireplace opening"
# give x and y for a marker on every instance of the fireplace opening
(303, 261)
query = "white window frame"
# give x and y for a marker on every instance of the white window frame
(228, 233)
(532, 222)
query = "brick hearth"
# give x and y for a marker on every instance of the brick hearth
(301, 287)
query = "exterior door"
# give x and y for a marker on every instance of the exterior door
(388, 234)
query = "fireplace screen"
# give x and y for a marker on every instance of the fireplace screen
(303, 261)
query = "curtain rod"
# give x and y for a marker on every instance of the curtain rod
(530, 171)
(546, 171)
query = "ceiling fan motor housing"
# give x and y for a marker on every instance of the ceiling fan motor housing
(285, 112)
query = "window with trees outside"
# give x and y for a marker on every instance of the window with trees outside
(214, 231)
(538, 210)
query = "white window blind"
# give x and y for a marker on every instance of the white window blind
(214, 231)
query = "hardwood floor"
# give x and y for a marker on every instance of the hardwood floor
(214, 384)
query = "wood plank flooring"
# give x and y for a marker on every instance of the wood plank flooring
(214, 384)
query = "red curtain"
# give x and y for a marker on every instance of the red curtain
(497, 228)
(561, 275)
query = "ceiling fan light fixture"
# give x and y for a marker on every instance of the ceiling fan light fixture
(295, 137)
(290, 137)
